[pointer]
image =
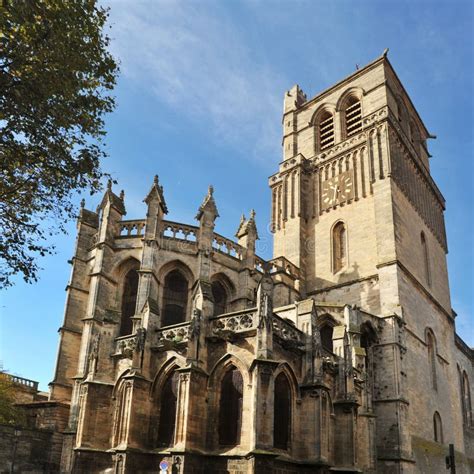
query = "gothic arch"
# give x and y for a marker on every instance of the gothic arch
(222, 365)
(432, 352)
(466, 399)
(437, 428)
(339, 246)
(286, 369)
(356, 92)
(127, 277)
(321, 114)
(223, 291)
(326, 323)
(169, 366)
(283, 411)
(177, 281)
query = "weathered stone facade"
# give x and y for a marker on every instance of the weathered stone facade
(340, 353)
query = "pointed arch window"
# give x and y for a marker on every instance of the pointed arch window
(326, 131)
(122, 412)
(353, 116)
(437, 428)
(282, 413)
(129, 302)
(426, 259)
(326, 332)
(175, 298)
(219, 294)
(230, 409)
(339, 246)
(168, 406)
(430, 341)
(466, 400)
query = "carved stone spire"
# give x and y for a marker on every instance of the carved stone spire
(156, 194)
(206, 216)
(208, 207)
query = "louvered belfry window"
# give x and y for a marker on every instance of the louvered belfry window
(230, 410)
(168, 405)
(353, 115)
(282, 413)
(326, 131)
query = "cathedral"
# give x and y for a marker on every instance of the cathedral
(183, 351)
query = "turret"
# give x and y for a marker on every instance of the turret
(156, 209)
(111, 210)
(207, 214)
(248, 235)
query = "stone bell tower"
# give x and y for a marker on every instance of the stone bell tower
(354, 206)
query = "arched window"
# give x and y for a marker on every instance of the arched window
(282, 413)
(353, 116)
(326, 337)
(368, 338)
(122, 412)
(326, 131)
(339, 246)
(168, 403)
(129, 301)
(426, 259)
(437, 428)
(430, 342)
(219, 294)
(230, 409)
(175, 298)
(466, 400)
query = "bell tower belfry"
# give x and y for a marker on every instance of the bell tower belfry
(353, 200)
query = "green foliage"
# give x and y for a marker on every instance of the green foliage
(9, 413)
(56, 77)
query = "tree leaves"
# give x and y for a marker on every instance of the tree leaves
(56, 75)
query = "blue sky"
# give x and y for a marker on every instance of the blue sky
(200, 99)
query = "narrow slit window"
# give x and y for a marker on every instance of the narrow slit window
(339, 247)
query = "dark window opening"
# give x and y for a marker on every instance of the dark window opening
(282, 413)
(175, 298)
(168, 405)
(326, 337)
(129, 301)
(438, 428)
(230, 410)
(220, 298)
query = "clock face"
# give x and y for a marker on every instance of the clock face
(336, 190)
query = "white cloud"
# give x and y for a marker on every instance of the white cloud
(195, 60)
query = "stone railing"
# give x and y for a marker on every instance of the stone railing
(287, 332)
(125, 345)
(234, 322)
(176, 333)
(283, 264)
(177, 231)
(227, 247)
(21, 381)
(132, 228)
(278, 264)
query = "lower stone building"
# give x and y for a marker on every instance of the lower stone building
(182, 347)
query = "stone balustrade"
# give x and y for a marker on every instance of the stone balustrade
(287, 332)
(178, 231)
(227, 247)
(21, 381)
(176, 333)
(132, 228)
(234, 322)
